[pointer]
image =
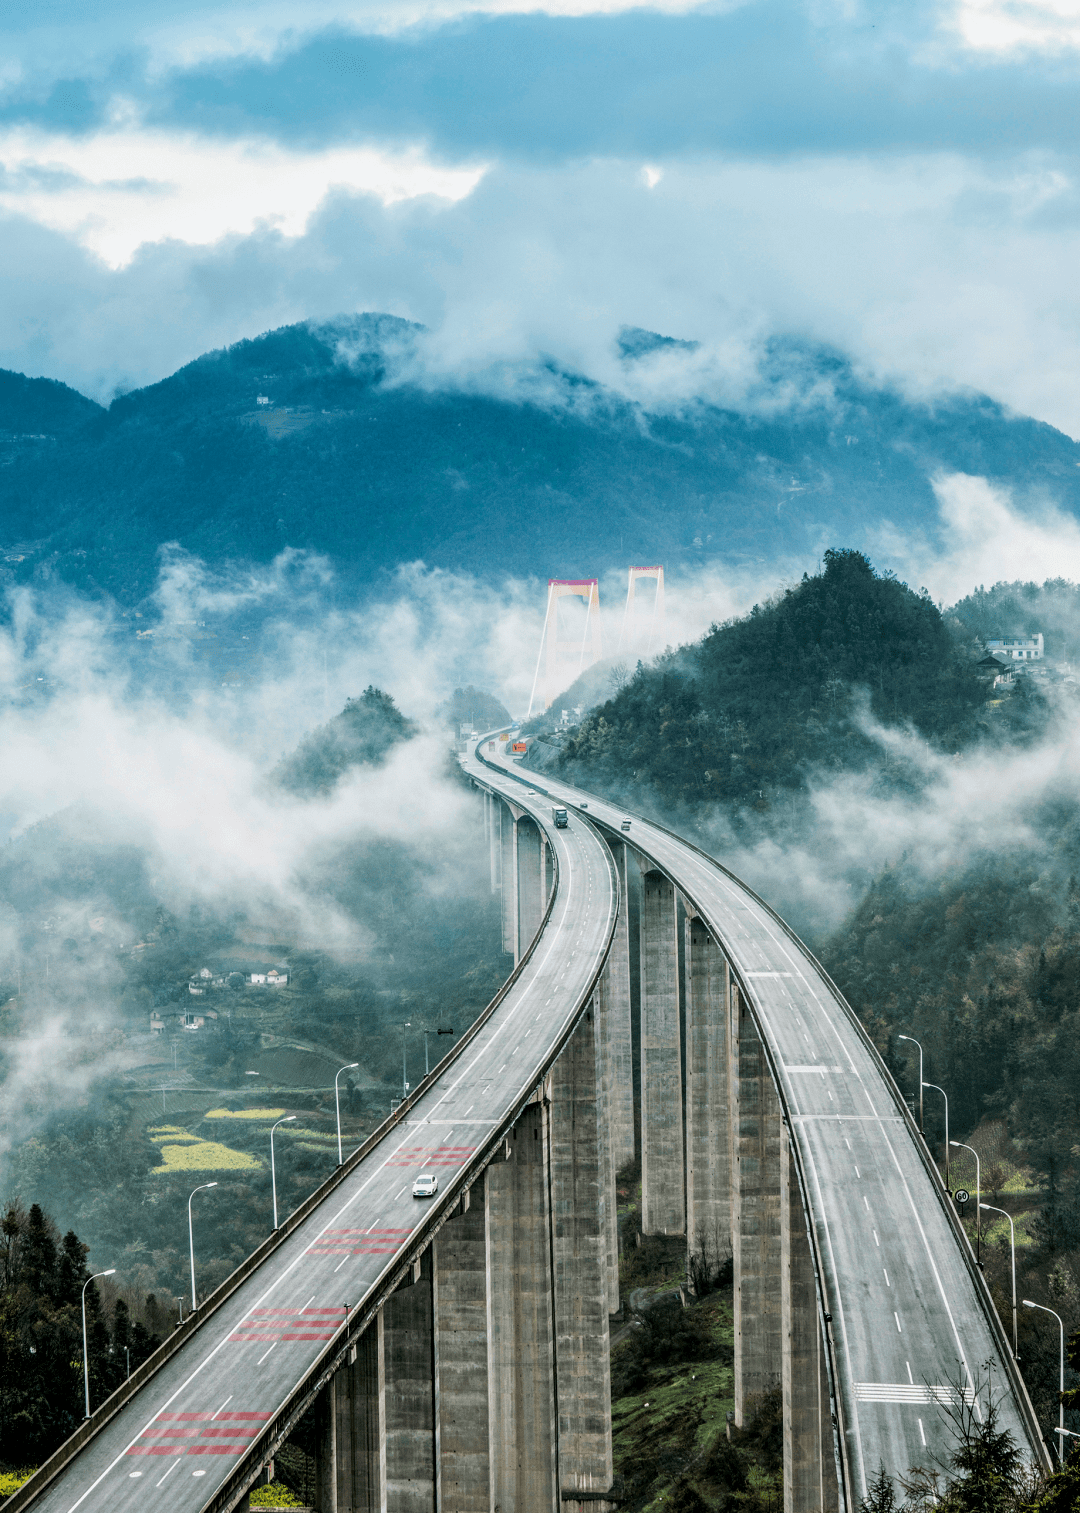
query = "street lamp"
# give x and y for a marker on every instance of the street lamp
(427, 1068)
(959, 1144)
(1061, 1406)
(945, 1095)
(406, 1025)
(289, 1119)
(337, 1104)
(1012, 1244)
(191, 1240)
(112, 1273)
(922, 1084)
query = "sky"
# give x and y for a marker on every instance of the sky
(896, 179)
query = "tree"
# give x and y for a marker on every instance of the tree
(880, 1495)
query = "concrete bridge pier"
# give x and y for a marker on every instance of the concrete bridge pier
(507, 877)
(493, 816)
(609, 1211)
(582, 1346)
(809, 1462)
(531, 869)
(663, 1198)
(408, 1378)
(708, 1098)
(521, 1324)
(462, 1403)
(756, 1134)
(350, 1453)
(616, 1038)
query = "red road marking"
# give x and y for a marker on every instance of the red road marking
(244, 1427)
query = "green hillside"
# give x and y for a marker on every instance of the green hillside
(762, 703)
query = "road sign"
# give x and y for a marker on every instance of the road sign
(962, 1195)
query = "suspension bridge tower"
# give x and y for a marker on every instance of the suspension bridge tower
(633, 632)
(558, 656)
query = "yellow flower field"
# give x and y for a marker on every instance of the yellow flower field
(244, 1113)
(183, 1151)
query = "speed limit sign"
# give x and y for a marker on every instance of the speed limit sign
(962, 1195)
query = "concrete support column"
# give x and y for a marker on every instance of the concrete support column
(508, 878)
(801, 1345)
(326, 1450)
(581, 1308)
(609, 1210)
(462, 1411)
(521, 1357)
(493, 832)
(756, 1133)
(616, 1040)
(708, 1114)
(529, 849)
(359, 1426)
(663, 1200)
(409, 1396)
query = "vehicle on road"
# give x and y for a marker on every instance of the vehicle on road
(625, 825)
(583, 806)
(426, 1185)
(559, 816)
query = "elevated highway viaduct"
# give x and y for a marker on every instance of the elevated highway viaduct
(454, 1352)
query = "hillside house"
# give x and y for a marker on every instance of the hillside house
(271, 979)
(1017, 648)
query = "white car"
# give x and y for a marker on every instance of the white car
(426, 1185)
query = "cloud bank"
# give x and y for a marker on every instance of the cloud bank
(899, 182)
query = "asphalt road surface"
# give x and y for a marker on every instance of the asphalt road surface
(908, 1325)
(184, 1433)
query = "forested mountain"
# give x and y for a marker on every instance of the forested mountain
(32, 408)
(361, 735)
(763, 702)
(352, 458)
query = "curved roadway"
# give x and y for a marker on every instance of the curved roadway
(185, 1434)
(910, 1317)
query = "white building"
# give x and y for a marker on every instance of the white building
(271, 979)
(1019, 648)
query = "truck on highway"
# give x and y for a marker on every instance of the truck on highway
(559, 816)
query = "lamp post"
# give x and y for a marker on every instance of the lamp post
(945, 1095)
(1061, 1375)
(112, 1273)
(922, 1084)
(1012, 1244)
(337, 1104)
(959, 1144)
(289, 1119)
(406, 1025)
(191, 1240)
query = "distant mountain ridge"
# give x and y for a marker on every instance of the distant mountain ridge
(349, 458)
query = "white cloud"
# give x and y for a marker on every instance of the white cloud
(117, 189)
(935, 272)
(983, 538)
(186, 33)
(1002, 27)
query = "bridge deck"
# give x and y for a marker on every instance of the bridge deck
(908, 1321)
(183, 1434)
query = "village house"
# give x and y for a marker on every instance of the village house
(1017, 648)
(271, 979)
